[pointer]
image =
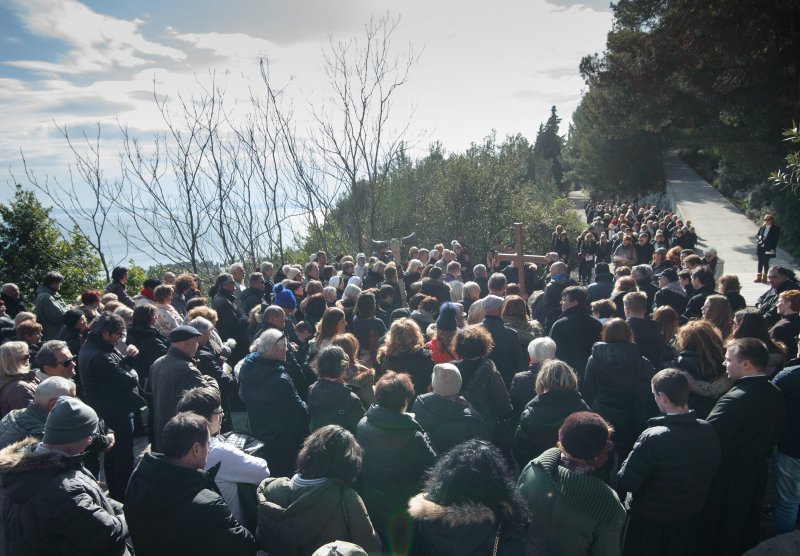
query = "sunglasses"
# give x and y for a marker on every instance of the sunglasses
(68, 362)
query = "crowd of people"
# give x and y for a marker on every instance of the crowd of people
(629, 402)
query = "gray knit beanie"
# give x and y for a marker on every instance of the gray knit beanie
(69, 421)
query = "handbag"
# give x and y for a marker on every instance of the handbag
(250, 445)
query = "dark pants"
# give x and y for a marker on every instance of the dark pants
(119, 461)
(647, 538)
(763, 261)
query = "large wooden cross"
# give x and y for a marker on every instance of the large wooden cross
(520, 258)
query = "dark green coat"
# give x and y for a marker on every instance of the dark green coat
(571, 513)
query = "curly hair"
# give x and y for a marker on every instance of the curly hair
(404, 335)
(473, 342)
(476, 472)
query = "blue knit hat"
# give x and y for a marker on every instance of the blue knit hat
(283, 297)
(447, 318)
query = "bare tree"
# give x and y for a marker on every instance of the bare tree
(353, 136)
(168, 196)
(87, 201)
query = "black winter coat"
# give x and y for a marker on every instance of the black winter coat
(788, 382)
(507, 354)
(435, 288)
(670, 469)
(448, 421)
(418, 364)
(767, 302)
(152, 344)
(786, 331)
(695, 304)
(650, 339)
(463, 529)
(278, 417)
(574, 334)
(54, 506)
(231, 322)
(252, 297)
(617, 386)
(175, 510)
(601, 288)
(108, 384)
(72, 337)
(523, 389)
(397, 452)
(539, 424)
(333, 403)
(749, 421)
(675, 300)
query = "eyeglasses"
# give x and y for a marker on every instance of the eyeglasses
(67, 362)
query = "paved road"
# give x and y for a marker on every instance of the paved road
(719, 224)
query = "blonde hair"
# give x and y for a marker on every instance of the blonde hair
(555, 376)
(205, 312)
(404, 335)
(11, 359)
(22, 316)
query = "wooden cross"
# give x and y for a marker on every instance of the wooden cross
(520, 257)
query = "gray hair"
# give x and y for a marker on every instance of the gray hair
(201, 324)
(471, 290)
(52, 389)
(414, 265)
(480, 271)
(265, 266)
(46, 355)
(267, 341)
(644, 269)
(329, 292)
(273, 311)
(235, 266)
(542, 349)
(453, 265)
(255, 277)
(23, 316)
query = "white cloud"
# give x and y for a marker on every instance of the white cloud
(95, 42)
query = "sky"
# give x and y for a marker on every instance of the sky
(481, 66)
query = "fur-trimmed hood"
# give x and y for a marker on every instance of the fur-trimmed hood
(468, 513)
(708, 388)
(21, 457)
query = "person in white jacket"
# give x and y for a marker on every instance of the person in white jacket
(235, 466)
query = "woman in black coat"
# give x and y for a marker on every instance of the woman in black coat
(469, 505)
(617, 385)
(404, 351)
(557, 398)
(330, 401)
(766, 246)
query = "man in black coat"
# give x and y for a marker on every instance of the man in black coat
(547, 307)
(643, 274)
(647, 333)
(255, 293)
(675, 449)
(52, 504)
(434, 286)
(507, 353)
(15, 302)
(603, 284)
(172, 505)
(231, 322)
(749, 422)
(781, 279)
(111, 388)
(703, 284)
(576, 331)
(670, 292)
